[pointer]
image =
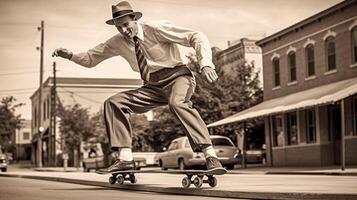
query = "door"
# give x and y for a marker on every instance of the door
(335, 129)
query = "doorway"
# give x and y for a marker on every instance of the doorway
(335, 129)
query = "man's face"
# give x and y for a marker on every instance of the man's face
(127, 26)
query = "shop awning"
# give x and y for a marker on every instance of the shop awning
(316, 96)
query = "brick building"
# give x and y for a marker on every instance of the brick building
(310, 86)
(240, 52)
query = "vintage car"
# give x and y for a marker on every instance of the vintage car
(180, 155)
(3, 162)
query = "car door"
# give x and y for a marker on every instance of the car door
(167, 156)
(171, 156)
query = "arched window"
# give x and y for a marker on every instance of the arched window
(354, 44)
(276, 72)
(330, 53)
(310, 60)
(292, 66)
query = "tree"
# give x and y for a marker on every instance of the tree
(9, 122)
(163, 129)
(75, 126)
(233, 92)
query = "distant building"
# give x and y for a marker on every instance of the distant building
(23, 141)
(241, 52)
(310, 91)
(89, 92)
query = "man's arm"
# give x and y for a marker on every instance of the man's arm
(90, 58)
(190, 38)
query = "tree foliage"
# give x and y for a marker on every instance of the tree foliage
(9, 122)
(75, 126)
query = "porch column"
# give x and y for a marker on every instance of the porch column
(343, 130)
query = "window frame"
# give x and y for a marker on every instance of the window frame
(275, 132)
(292, 67)
(310, 140)
(328, 40)
(354, 45)
(290, 129)
(309, 60)
(276, 73)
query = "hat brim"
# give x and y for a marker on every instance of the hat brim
(137, 15)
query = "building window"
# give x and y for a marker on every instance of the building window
(310, 126)
(48, 107)
(44, 110)
(310, 60)
(354, 44)
(35, 118)
(276, 70)
(278, 133)
(292, 66)
(26, 136)
(292, 129)
(330, 53)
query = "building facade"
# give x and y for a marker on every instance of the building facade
(88, 92)
(241, 52)
(310, 91)
(23, 141)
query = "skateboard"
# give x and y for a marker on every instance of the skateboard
(195, 177)
(126, 175)
(199, 177)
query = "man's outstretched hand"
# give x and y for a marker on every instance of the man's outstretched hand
(210, 74)
(64, 53)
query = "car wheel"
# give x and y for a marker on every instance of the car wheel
(161, 165)
(182, 165)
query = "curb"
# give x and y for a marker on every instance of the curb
(193, 191)
(314, 173)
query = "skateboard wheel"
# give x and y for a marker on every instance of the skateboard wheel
(112, 180)
(133, 179)
(197, 182)
(120, 180)
(212, 181)
(186, 182)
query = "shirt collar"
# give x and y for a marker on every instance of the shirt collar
(140, 34)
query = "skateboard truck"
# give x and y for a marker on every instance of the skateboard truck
(199, 180)
(121, 177)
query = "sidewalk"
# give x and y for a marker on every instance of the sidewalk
(251, 183)
(330, 170)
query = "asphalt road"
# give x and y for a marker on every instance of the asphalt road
(30, 189)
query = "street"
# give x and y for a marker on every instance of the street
(30, 189)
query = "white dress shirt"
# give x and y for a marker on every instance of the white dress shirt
(158, 41)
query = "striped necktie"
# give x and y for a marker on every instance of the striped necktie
(140, 58)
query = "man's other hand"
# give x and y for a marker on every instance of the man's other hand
(210, 74)
(61, 52)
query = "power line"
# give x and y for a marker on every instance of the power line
(83, 97)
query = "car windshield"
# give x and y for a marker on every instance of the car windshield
(221, 142)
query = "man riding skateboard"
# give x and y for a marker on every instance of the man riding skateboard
(152, 49)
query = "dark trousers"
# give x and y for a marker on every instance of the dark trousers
(171, 86)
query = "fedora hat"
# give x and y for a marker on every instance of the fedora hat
(122, 9)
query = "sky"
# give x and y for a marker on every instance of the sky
(80, 24)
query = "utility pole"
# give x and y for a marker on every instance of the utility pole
(53, 114)
(39, 142)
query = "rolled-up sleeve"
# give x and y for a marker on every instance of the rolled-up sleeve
(187, 37)
(95, 55)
